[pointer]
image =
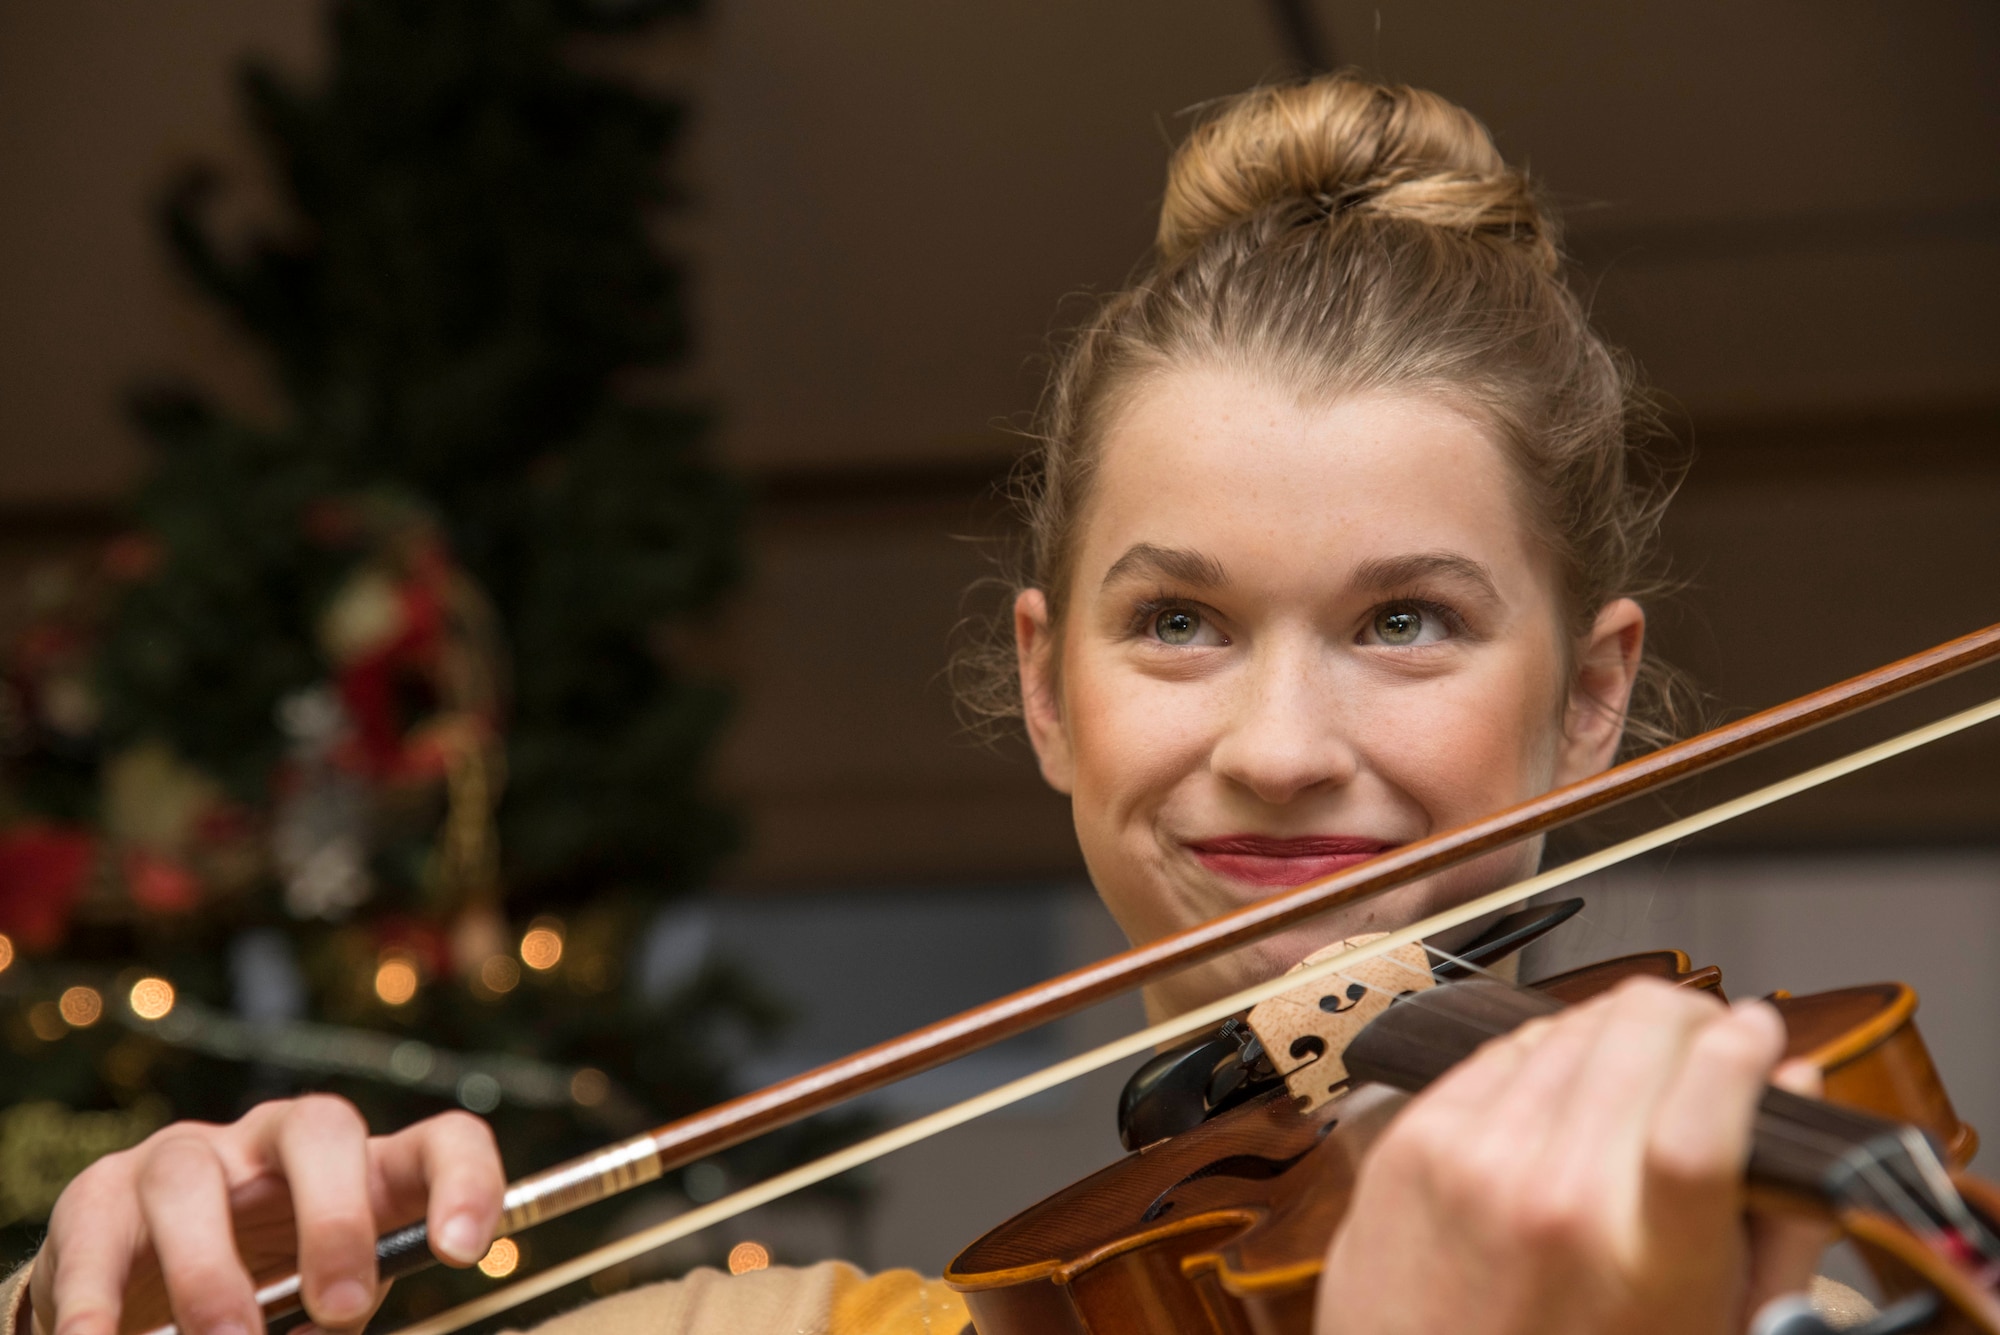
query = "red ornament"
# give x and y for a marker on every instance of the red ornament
(332, 523)
(159, 884)
(133, 557)
(376, 687)
(42, 872)
(421, 939)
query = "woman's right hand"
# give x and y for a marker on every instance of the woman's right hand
(176, 1227)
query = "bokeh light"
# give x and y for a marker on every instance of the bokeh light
(747, 1256)
(597, 974)
(127, 1064)
(152, 998)
(501, 1259)
(541, 948)
(395, 980)
(589, 1087)
(81, 1007)
(45, 1018)
(479, 1092)
(6, 951)
(704, 1181)
(500, 974)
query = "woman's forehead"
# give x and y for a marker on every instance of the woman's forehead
(1241, 472)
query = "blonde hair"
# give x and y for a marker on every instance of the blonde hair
(1347, 236)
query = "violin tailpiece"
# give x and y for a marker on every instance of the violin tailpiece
(1304, 1032)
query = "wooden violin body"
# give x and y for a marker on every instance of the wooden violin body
(1222, 1228)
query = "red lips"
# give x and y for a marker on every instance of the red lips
(1268, 860)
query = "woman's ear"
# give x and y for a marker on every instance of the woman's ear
(1041, 697)
(1607, 667)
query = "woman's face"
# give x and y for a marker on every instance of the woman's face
(1297, 636)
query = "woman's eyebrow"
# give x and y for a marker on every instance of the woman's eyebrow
(1178, 564)
(1390, 571)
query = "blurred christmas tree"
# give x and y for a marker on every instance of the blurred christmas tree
(361, 762)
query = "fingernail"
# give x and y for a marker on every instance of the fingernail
(459, 1239)
(228, 1328)
(344, 1301)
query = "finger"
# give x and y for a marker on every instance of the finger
(1525, 1116)
(1469, 1088)
(184, 1199)
(1700, 1138)
(1800, 1076)
(78, 1287)
(449, 1166)
(1610, 1104)
(1432, 1129)
(1785, 1252)
(1465, 1140)
(321, 1143)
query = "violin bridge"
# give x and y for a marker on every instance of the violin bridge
(1305, 1031)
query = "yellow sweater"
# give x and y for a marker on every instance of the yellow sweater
(832, 1298)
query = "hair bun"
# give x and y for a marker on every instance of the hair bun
(1338, 145)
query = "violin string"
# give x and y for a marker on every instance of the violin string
(1958, 1214)
(1178, 1028)
(1889, 1188)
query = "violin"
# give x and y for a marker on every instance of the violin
(1930, 1233)
(1222, 1227)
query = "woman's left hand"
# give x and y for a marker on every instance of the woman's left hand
(1580, 1176)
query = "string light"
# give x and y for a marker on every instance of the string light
(395, 980)
(597, 974)
(500, 1259)
(480, 1092)
(589, 1087)
(152, 998)
(126, 1064)
(542, 947)
(45, 1018)
(499, 974)
(704, 1181)
(747, 1256)
(6, 951)
(81, 1007)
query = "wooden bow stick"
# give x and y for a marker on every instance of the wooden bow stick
(1169, 1031)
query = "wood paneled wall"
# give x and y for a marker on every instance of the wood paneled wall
(1791, 214)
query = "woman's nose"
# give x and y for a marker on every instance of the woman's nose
(1284, 734)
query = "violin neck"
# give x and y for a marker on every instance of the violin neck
(1848, 1159)
(1802, 1148)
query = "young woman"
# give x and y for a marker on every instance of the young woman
(1335, 536)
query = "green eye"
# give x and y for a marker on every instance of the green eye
(1177, 625)
(1399, 625)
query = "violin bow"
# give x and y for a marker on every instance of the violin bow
(648, 1156)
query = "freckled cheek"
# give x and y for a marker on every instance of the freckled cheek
(1468, 748)
(1133, 740)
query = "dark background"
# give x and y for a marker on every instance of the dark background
(1788, 211)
